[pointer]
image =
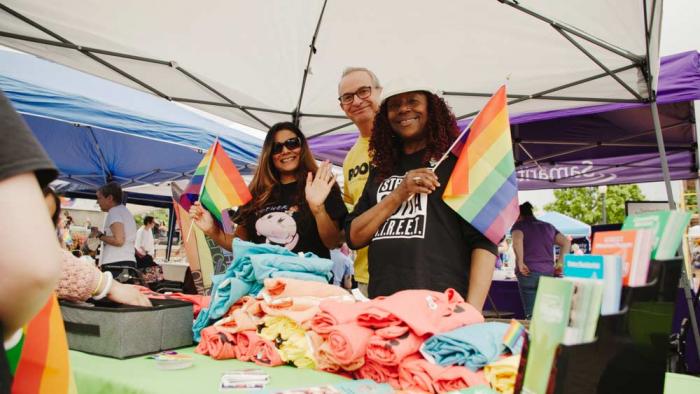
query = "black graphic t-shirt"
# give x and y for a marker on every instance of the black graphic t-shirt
(287, 221)
(424, 244)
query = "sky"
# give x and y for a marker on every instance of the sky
(680, 32)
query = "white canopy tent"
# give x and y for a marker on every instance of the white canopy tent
(260, 62)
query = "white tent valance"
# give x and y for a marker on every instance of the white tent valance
(259, 62)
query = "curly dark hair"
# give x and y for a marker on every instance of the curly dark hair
(385, 145)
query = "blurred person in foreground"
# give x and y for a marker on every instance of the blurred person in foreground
(29, 261)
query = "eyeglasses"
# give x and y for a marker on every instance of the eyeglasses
(361, 93)
(291, 144)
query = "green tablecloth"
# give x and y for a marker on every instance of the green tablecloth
(95, 374)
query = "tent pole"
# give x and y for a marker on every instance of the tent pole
(330, 130)
(537, 95)
(662, 154)
(575, 31)
(598, 62)
(684, 282)
(171, 231)
(312, 52)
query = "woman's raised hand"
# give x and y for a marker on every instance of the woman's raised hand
(420, 180)
(318, 187)
(202, 218)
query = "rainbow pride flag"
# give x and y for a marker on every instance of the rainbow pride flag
(483, 188)
(41, 357)
(216, 183)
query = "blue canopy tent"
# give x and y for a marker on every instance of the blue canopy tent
(96, 130)
(566, 224)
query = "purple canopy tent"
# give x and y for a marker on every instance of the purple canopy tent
(598, 145)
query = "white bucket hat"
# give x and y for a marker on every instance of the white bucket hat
(404, 85)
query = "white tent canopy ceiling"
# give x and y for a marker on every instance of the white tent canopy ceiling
(260, 62)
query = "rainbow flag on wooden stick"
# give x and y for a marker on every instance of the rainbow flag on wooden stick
(483, 188)
(216, 183)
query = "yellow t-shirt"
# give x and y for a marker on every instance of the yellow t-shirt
(355, 173)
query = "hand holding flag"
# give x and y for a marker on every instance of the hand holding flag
(216, 184)
(483, 187)
(202, 218)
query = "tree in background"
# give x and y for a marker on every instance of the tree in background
(585, 203)
(159, 214)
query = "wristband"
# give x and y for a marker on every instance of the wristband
(99, 282)
(108, 287)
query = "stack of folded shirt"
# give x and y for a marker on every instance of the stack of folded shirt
(252, 264)
(501, 374)
(474, 345)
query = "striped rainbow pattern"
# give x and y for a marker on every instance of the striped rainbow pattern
(43, 365)
(513, 333)
(483, 187)
(224, 187)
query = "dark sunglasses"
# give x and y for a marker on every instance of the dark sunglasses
(291, 144)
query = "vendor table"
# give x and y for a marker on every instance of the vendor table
(505, 297)
(140, 375)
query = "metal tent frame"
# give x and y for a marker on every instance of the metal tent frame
(571, 34)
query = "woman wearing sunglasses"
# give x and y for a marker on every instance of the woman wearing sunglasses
(295, 204)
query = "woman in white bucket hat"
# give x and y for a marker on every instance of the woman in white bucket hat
(415, 240)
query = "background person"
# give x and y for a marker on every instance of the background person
(295, 204)
(533, 243)
(359, 91)
(145, 244)
(415, 240)
(119, 230)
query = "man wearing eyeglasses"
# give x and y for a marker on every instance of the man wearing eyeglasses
(359, 93)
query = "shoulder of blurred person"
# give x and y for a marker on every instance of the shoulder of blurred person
(24, 169)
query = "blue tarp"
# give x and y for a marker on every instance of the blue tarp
(92, 128)
(566, 224)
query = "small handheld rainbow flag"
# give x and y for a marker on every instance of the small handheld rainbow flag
(512, 336)
(216, 183)
(483, 188)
